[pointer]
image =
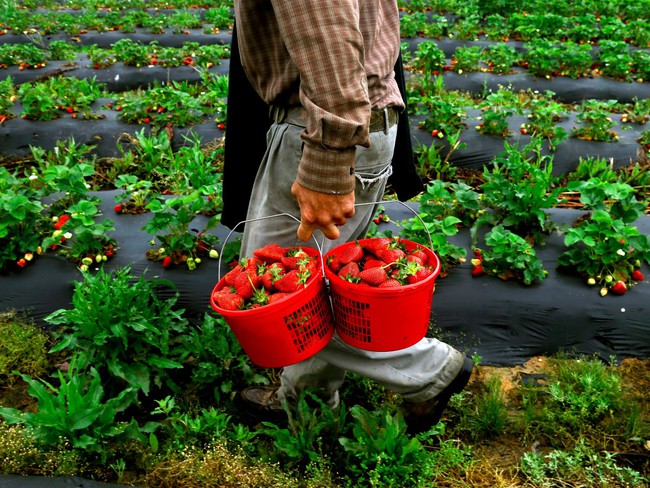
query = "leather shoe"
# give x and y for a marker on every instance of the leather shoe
(422, 416)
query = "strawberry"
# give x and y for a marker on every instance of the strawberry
(252, 264)
(390, 283)
(350, 272)
(477, 270)
(230, 276)
(420, 275)
(421, 255)
(619, 288)
(415, 259)
(118, 208)
(637, 275)
(246, 283)
(373, 263)
(334, 263)
(290, 282)
(374, 276)
(271, 275)
(389, 256)
(377, 244)
(290, 262)
(279, 296)
(353, 252)
(271, 253)
(21, 262)
(166, 262)
(229, 301)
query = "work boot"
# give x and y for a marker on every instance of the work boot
(421, 416)
(262, 400)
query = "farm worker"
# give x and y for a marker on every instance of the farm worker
(326, 74)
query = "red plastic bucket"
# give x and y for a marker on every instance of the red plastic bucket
(382, 319)
(285, 332)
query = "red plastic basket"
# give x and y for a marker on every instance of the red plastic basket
(285, 332)
(382, 319)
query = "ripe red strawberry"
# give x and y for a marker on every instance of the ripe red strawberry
(353, 252)
(415, 259)
(245, 284)
(252, 264)
(271, 275)
(290, 282)
(118, 208)
(334, 263)
(277, 297)
(619, 288)
(390, 283)
(230, 276)
(420, 275)
(21, 262)
(229, 301)
(271, 253)
(390, 255)
(477, 270)
(372, 263)
(637, 275)
(421, 255)
(166, 262)
(350, 271)
(290, 262)
(377, 244)
(373, 276)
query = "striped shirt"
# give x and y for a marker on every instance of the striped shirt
(335, 59)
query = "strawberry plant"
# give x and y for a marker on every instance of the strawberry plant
(429, 58)
(80, 238)
(7, 99)
(136, 195)
(518, 187)
(497, 107)
(543, 119)
(637, 112)
(508, 256)
(500, 58)
(597, 123)
(467, 58)
(614, 59)
(605, 251)
(170, 225)
(20, 239)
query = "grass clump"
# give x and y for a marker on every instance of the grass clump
(23, 348)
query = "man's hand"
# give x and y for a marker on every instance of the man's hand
(322, 211)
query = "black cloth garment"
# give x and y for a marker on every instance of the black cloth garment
(247, 124)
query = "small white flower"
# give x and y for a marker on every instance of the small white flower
(33, 176)
(620, 252)
(68, 235)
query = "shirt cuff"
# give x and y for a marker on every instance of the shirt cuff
(326, 170)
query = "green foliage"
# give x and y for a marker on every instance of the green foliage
(120, 326)
(581, 466)
(312, 429)
(604, 250)
(379, 451)
(74, 411)
(518, 187)
(508, 255)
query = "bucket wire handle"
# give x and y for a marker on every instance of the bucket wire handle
(265, 218)
(405, 206)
